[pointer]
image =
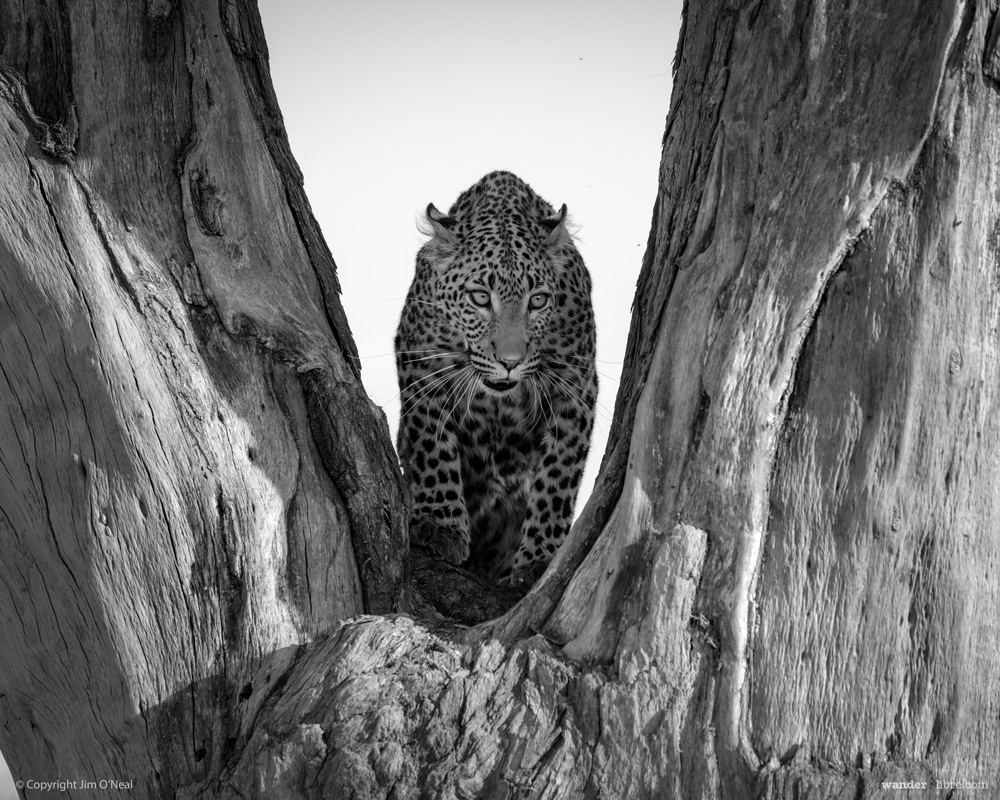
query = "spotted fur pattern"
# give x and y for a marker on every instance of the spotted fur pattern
(495, 356)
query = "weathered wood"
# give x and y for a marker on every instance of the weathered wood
(784, 584)
(169, 334)
(884, 502)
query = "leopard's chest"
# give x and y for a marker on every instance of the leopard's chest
(500, 451)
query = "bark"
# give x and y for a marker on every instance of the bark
(193, 482)
(784, 584)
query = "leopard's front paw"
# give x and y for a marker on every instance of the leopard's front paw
(447, 541)
(521, 577)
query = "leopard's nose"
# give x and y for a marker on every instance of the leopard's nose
(510, 363)
(510, 347)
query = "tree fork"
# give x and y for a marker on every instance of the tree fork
(780, 584)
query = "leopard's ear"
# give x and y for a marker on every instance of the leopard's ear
(442, 225)
(555, 225)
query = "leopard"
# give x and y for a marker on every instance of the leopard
(495, 357)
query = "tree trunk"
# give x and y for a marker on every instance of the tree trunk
(170, 338)
(785, 583)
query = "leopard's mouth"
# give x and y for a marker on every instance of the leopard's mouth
(500, 386)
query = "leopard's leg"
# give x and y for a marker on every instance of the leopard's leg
(551, 494)
(429, 451)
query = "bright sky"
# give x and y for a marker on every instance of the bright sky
(391, 105)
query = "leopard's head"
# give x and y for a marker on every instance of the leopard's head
(498, 276)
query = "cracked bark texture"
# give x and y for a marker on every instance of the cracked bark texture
(192, 481)
(785, 584)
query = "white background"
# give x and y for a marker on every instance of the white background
(390, 106)
(393, 105)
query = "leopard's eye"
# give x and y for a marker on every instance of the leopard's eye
(479, 298)
(538, 301)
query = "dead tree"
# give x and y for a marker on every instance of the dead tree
(785, 583)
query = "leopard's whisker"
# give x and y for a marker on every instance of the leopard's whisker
(470, 393)
(553, 362)
(431, 378)
(429, 355)
(572, 393)
(567, 390)
(423, 391)
(548, 407)
(447, 402)
(544, 412)
(414, 301)
(437, 384)
(403, 352)
(434, 357)
(466, 394)
(427, 350)
(581, 405)
(532, 389)
(584, 359)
